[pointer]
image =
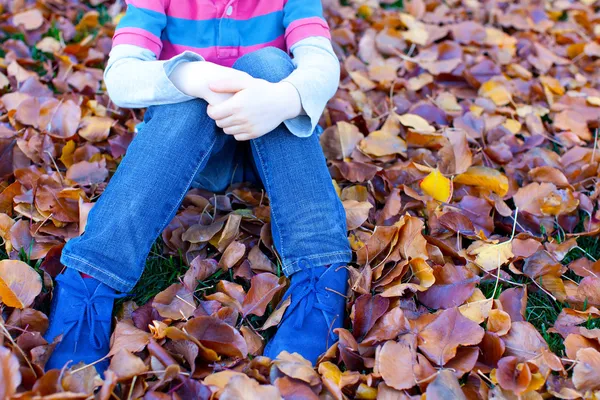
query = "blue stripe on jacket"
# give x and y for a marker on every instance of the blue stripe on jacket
(203, 33)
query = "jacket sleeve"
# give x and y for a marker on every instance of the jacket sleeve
(302, 19)
(316, 78)
(142, 25)
(135, 79)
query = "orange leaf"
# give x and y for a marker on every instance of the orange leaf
(19, 283)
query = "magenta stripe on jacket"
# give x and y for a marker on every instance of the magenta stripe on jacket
(219, 30)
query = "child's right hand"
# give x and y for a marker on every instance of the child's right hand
(194, 78)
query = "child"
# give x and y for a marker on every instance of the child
(219, 83)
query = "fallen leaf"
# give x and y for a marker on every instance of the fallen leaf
(437, 186)
(263, 288)
(484, 178)
(9, 373)
(125, 365)
(440, 339)
(395, 364)
(242, 387)
(585, 373)
(19, 283)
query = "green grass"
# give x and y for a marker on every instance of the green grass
(542, 312)
(396, 5)
(161, 271)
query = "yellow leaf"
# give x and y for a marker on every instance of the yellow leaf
(416, 123)
(491, 256)
(364, 11)
(553, 85)
(476, 110)
(423, 272)
(419, 82)
(594, 100)
(537, 381)
(19, 283)
(48, 45)
(417, 33)
(496, 92)
(380, 143)
(447, 102)
(330, 371)
(3, 80)
(67, 153)
(437, 186)
(512, 125)
(477, 308)
(366, 392)
(486, 178)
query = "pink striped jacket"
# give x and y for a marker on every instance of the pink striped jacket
(221, 31)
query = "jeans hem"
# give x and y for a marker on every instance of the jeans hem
(318, 260)
(100, 274)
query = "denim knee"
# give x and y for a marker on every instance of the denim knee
(195, 108)
(269, 63)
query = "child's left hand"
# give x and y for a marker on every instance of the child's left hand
(256, 108)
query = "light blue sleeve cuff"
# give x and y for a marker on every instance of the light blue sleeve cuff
(135, 79)
(316, 78)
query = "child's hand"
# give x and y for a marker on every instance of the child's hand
(256, 108)
(193, 79)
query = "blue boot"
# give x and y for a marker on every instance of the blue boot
(317, 308)
(81, 311)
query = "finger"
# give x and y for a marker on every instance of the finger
(221, 111)
(228, 122)
(233, 85)
(245, 136)
(236, 130)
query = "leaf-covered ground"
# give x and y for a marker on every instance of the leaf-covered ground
(463, 143)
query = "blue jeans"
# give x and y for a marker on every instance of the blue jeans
(171, 153)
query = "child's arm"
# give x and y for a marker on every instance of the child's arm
(135, 79)
(315, 80)
(258, 106)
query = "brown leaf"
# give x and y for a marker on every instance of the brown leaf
(292, 389)
(128, 337)
(512, 378)
(440, 339)
(339, 141)
(254, 341)
(175, 302)
(367, 310)
(88, 173)
(242, 387)
(523, 341)
(95, 129)
(276, 316)
(263, 288)
(445, 386)
(388, 327)
(395, 364)
(514, 302)
(455, 156)
(233, 253)
(125, 365)
(297, 367)
(586, 372)
(357, 212)
(9, 373)
(200, 269)
(218, 336)
(30, 20)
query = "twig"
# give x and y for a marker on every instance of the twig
(17, 346)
